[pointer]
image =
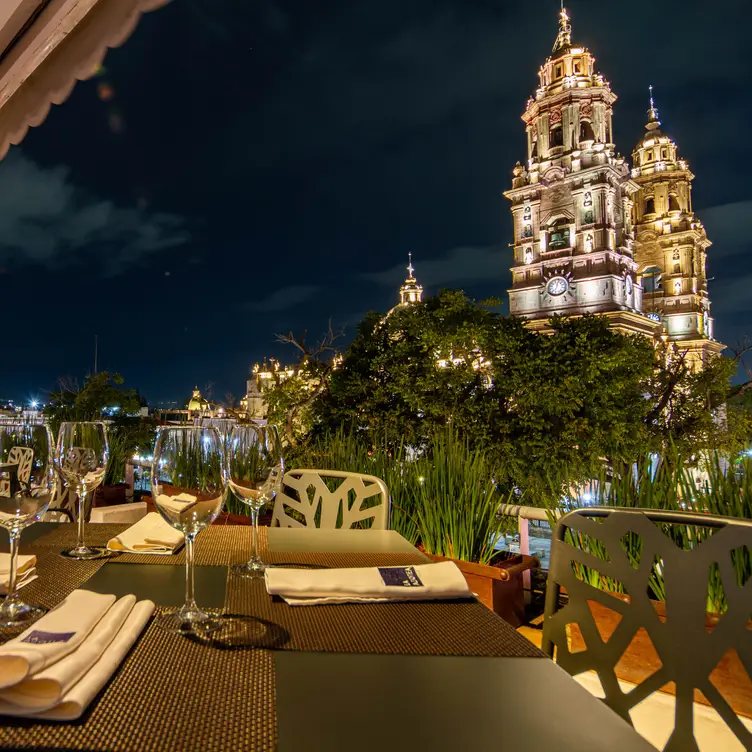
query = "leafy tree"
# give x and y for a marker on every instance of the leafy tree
(549, 408)
(290, 398)
(101, 393)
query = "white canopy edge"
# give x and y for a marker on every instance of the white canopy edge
(65, 43)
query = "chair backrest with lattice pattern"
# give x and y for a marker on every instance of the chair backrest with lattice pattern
(630, 549)
(331, 499)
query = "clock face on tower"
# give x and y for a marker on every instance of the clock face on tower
(557, 286)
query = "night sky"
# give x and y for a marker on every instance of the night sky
(247, 168)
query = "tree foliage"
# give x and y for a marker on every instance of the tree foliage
(95, 400)
(550, 408)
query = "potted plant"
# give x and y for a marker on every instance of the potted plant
(456, 511)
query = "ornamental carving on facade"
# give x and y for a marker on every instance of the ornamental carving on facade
(555, 116)
(586, 110)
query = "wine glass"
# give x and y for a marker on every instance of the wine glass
(82, 456)
(189, 480)
(256, 468)
(27, 485)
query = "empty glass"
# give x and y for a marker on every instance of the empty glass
(82, 456)
(27, 484)
(256, 468)
(188, 486)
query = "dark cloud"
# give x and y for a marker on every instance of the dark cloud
(46, 219)
(455, 268)
(284, 298)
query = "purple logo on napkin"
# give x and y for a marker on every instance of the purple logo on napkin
(38, 637)
(400, 576)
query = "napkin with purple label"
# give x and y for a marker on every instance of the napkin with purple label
(420, 582)
(57, 666)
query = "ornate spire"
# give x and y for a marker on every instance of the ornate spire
(411, 291)
(410, 268)
(564, 37)
(652, 112)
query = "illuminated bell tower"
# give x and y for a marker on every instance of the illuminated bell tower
(411, 291)
(572, 203)
(671, 244)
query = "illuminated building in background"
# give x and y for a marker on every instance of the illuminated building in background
(671, 244)
(592, 235)
(572, 204)
(264, 377)
(410, 291)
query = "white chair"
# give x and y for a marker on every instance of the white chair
(306, 493)
(22, 457)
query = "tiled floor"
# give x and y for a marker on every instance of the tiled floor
(653, 717)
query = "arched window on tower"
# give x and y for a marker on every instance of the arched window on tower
(556, 135)
(651, 279)
(559, 235)
(673, 203)
(534, 149)
(650, 205)
(586, 131)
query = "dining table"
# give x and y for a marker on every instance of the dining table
(434, 675)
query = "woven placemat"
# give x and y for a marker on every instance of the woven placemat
(460, 627)
(57, 578)
(169, 694)
(218, 545)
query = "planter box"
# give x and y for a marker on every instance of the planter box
(498, 587)
(640, 660)
(107, 496)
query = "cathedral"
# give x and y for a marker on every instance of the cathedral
(591, 234)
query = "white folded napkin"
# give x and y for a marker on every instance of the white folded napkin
(75, 701)
(54, 636)
(306, 587)
(23, 564)
(150, 535)
(180, 503)
(63, 690)
(23, 579)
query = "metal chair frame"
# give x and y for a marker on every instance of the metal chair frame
(688, 652)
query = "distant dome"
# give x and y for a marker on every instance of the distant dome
(197, 402)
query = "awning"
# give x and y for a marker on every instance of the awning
(48, 45)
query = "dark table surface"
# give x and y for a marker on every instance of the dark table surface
(354, 701)
(402, 703)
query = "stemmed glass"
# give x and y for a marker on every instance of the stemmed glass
(256, 468)
(82, 456)
(188, 485)
(27, 485)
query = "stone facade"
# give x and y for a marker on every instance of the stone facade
(671, 244)
(574, 207)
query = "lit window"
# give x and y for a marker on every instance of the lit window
(651, 279)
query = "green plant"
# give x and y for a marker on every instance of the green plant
(670, 485)
(457, 499)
